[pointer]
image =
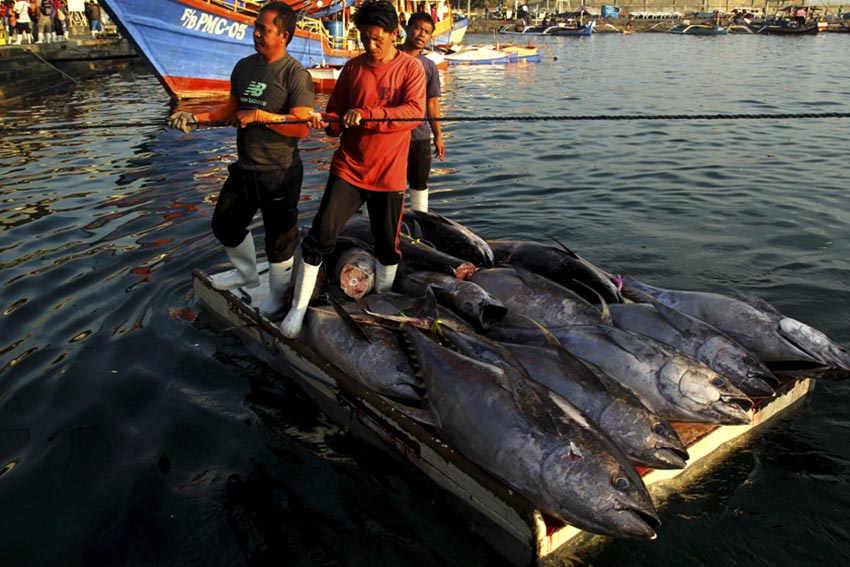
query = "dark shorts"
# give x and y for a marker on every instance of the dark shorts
(275, 193)
(339, 202)
(419, 164)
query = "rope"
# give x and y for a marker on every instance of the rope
(534, 118)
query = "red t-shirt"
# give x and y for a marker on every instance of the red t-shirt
(374, 155)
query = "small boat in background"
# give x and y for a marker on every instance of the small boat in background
(698, 29)
(324, 77)
(490, 54)
(521, 53)
(608, 28)
(788, 28)
(579, 30)
(521, 29)
(477, 55)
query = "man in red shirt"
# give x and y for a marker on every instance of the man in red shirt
(370, 165)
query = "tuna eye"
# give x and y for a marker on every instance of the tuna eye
(659, 429)
(621, 483)
(718, 381)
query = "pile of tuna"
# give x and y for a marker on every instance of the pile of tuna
(553, 375)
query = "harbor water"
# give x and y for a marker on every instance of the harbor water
(134, 433)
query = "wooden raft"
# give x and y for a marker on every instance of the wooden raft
(493, 509)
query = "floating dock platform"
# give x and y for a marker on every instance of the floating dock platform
(504, 518)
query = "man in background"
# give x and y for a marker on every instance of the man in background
(420, 28)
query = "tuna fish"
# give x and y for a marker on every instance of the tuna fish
(526, 294)
(448, 236)
(785, 344)
(467, 298)
(354, 268)
(700, 340)
(646, 438)
(559, 264)
(374, 357)
(535, 441)
(416, 253)
(673, 385)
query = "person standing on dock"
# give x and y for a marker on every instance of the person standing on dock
(374, 106)
(267, 89)
(45, 21)
(23, 22)
(420, 28)
(93, 15)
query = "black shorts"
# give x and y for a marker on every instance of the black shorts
(419, 164)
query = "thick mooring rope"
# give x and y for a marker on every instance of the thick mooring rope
(531, 118)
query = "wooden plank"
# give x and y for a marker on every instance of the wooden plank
(497, 510)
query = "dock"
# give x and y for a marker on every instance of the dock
(33, 69)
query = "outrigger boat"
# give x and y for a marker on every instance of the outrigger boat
(192, 45)
(493, 54)
(698, 29)
(501, 515)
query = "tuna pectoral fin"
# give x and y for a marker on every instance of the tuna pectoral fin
(349, 322)
(422, 415)
(551, 340)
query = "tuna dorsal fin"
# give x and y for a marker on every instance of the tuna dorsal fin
(427, 306)
(417, 230)
(352, 325)
(757, 302)
(562, 246)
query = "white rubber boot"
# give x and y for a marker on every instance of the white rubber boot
(244, 259)
(384, 277)
(280, 276)
(419, 200)
(305, 282)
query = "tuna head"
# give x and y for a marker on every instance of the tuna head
(612, 496)
(743, 368)
(703, 393)
(647, 438)
(834, 357)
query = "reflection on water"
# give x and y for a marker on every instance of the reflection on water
(131, 432)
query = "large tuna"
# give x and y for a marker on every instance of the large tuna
(559, 264)
(372, 355)
(698, 339)
(448, 236)
(535, 441)
(526, 294)
(417, 254)
(646, 438)
(465, 297)
(672, 384)
(785, 344)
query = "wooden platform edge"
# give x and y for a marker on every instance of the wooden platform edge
(701, 451)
